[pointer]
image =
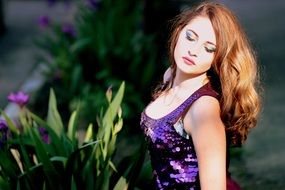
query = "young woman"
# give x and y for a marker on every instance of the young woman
(208, 103)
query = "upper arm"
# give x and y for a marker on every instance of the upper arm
(204, 124)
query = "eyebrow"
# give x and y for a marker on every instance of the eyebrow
(198, 36)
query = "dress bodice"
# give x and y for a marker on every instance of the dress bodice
(173, 156)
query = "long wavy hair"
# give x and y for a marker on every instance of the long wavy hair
(233, 73)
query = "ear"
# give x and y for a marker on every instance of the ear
(167, 75)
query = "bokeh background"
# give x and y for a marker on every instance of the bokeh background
(130, 45)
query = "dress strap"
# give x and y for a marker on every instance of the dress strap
(205, 90)
(178, 124)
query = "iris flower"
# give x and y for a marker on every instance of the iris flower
(44, 21)
(44, 135)
(4, 132)
(68, 29)
(19, 98)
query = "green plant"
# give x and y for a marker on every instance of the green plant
(44, 154)
(106, 45)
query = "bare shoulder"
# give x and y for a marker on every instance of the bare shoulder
(205, 107)
(204, 115)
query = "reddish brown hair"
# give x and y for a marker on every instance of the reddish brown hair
(234, 71)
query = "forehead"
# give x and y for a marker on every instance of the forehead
(203, 27)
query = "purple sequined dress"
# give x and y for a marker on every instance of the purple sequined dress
(172, 153)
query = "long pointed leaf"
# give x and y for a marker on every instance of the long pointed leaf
(89, 133)
(71, 131)
(56, 141)
(10, 123)
(54, 119)
(44, 158)
(105, 131)
(115, 105)
(122, 184)
(73, 184)
(111, 112)
(9, 165)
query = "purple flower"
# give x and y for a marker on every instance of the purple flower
(68, 29)
(19, 98)
(44, 135)
(44, 21)
(4, 132)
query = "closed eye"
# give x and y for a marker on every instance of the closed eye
(190, 35)
(210, 50)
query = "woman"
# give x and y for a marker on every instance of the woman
(208, 102)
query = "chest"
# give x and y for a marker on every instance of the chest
(164, 105)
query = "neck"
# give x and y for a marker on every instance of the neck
(184, 81)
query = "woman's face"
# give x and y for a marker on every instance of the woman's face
(195, 47)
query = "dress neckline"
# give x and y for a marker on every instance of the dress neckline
(178, 107)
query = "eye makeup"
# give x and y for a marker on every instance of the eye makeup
(193, 36)
(190, 35)
(210, 48)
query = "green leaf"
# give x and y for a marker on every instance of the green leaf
(55, 158)
(56, 141)
(10, 123)
(118, 126)
(73, 184)
(76, 76)
(109, 94)
(4, 184)
(122, 184)
(88, 144)
(112, 166)
(71, 130)
(89, 133)
(79, 45)
(114, 106)
(18, 185)
(24, 154)
(59, 158)
(54, 119)
(8, 165)
(105, 131)
(73, 161)
(42, 156)
(106, 180)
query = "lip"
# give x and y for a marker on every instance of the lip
(188, 61)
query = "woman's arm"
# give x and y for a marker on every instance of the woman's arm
(204, 124)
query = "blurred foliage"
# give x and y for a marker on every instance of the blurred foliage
(104, 45)
(45, 154)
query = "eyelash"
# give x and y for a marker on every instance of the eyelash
(188, 37)
(210, 50)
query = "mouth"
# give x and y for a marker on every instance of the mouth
(188, 61)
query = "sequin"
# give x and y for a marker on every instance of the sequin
(173, 156)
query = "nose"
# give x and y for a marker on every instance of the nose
(194, 50)
(192, 53)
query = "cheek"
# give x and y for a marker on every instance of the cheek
(207, 59)
(176, 52)
(180, 46)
